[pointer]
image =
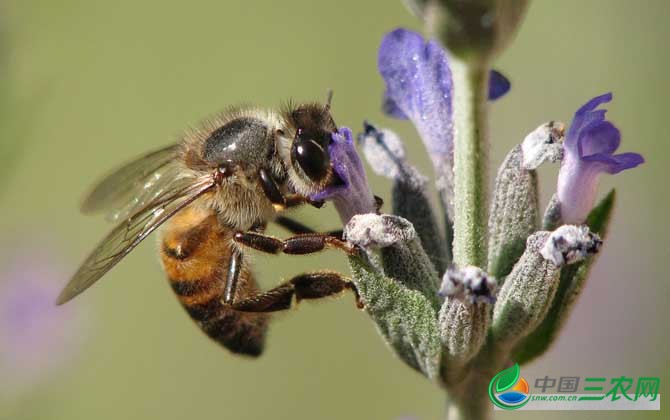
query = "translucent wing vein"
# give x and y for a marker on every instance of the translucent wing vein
(128, 234)
(132, 186)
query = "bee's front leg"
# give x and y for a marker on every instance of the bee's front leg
(277, 198)
(308, 243)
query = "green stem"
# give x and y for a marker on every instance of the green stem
(470, 400)
(467, 397)
(472, 411)
(470, 162)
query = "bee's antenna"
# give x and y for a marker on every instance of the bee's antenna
(329, 100)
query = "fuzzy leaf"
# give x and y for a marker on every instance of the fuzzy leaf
(526, 295)
(514, 213)
(573, 278)
(404, 317)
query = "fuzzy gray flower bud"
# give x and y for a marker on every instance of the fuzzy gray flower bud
(463, 330)
(569, 244)
(378, 231)
(404, 317)
(469, 285)
(403, 257)
(552, 214)
(385, 153)
(464, 316)
(545, 143)
(514, 213)
(526, 295)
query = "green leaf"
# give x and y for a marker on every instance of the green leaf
(599, 218)
(404, 317)
(573, 278)
(507, 378)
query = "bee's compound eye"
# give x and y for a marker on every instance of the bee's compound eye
(311, 158)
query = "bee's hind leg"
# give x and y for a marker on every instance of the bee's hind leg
(315, 285)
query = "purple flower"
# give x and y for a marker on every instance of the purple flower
(419, 87)
(36, 337)
(353, 196)
(589, 151)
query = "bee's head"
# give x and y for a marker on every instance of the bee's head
(312, 127)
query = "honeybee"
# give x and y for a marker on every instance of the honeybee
(215, 191)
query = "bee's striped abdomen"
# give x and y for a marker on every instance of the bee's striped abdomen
(195, 252)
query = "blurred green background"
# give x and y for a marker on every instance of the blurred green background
(87, 85)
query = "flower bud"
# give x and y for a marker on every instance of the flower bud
(464, 317)
(526, 295)
(569, 244)
(514, 213)
(474, 30)
(545, 143)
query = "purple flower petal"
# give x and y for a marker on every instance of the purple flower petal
(613, 164)
(625, 161)
(353, 196)
(419, 86)
(499, 85)
(390, 108)
(589, 148)
(598, 137)
(586, 114)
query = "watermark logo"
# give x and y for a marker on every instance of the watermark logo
(508, 390)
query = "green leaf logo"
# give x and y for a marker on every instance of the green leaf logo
(507, 378)
(508, 390)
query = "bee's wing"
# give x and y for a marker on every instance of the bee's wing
(128, 234)
(132, 186)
